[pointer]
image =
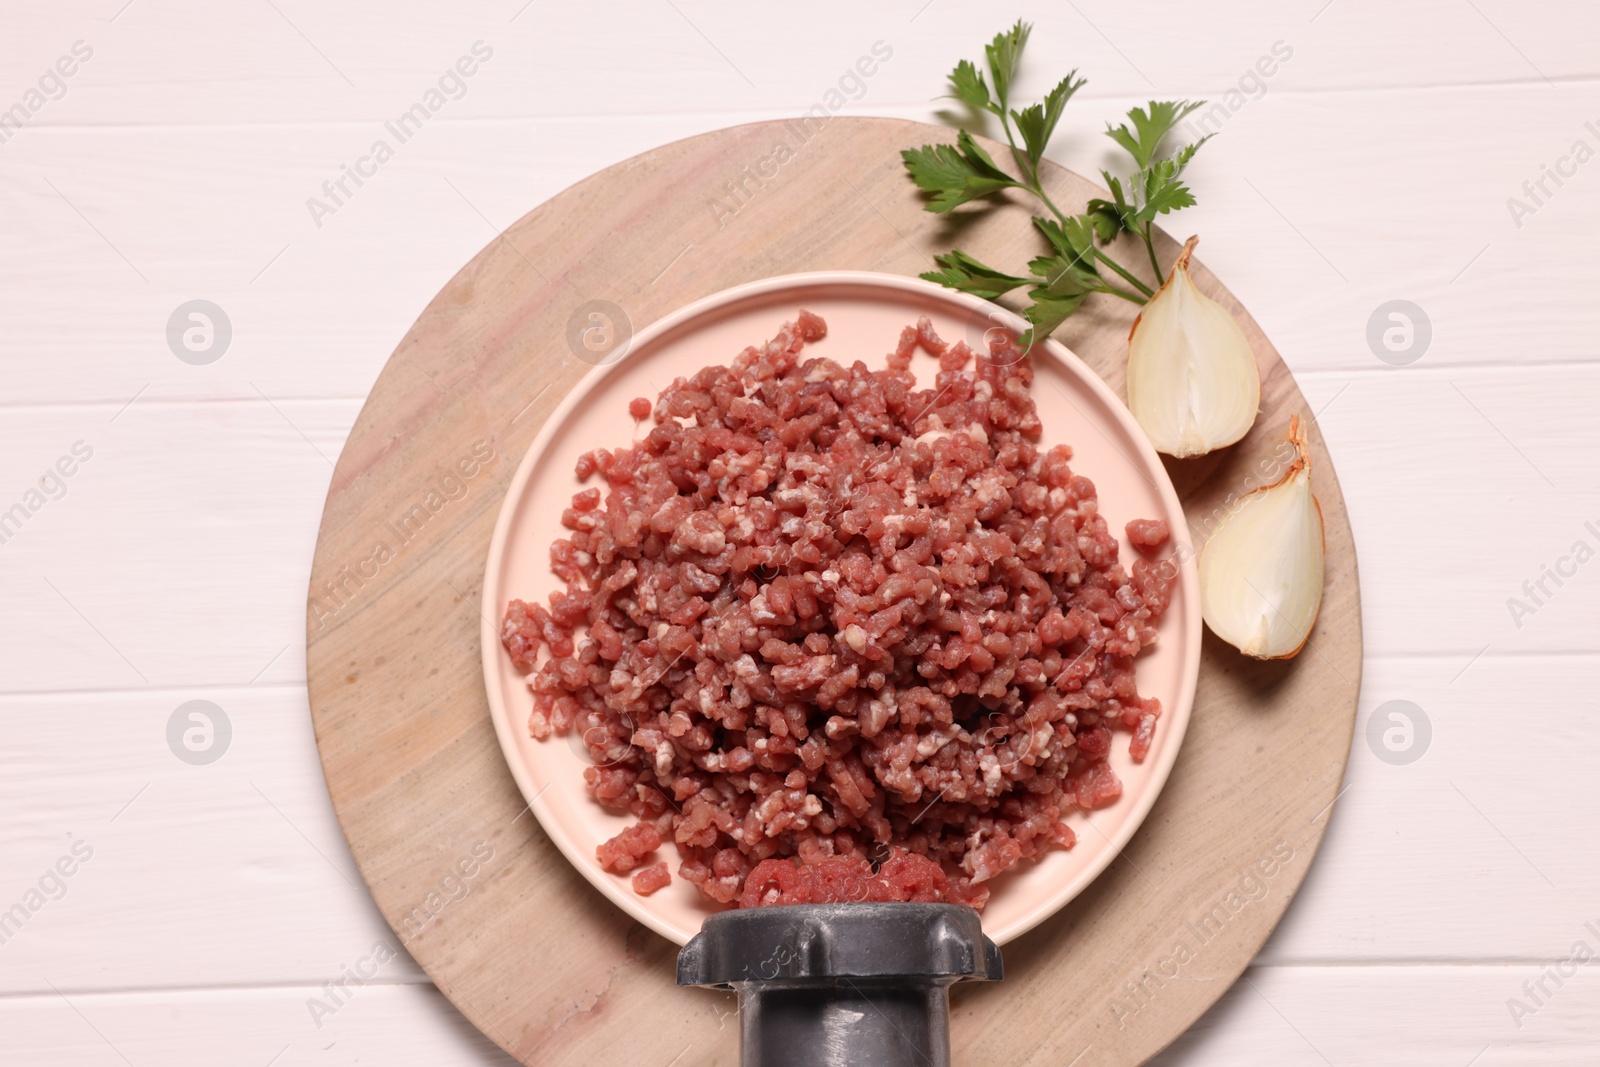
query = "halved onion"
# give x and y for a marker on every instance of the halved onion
(1192, 378)
(1261, 572)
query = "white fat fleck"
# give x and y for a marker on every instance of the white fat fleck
(991, 772)
(927, 746)
(988, 491)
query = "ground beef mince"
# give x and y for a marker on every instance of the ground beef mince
(647, 880)
(904, 876)
(628, 849)
(1147, 534)
(832, 628)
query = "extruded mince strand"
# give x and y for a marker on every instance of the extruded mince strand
(865, 639)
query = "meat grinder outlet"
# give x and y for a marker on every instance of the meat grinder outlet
(830, 985)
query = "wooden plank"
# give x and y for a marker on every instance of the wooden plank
(402, 1025)
(222, 215)
(1434, 452)
(1436, 1016)
(305, 63)
(174, 553)
(1494, 800)
(1398, 837)
(235, 870)
(211, 598)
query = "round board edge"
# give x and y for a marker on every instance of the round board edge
(327, 716)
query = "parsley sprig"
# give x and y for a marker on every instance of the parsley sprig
(1060, 281)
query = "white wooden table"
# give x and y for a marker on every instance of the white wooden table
(175, 163)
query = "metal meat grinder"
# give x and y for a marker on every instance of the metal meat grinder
(842, 985)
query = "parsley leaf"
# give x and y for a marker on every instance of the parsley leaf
(955, 174)
(1111, 216)
(1066, 279)
(1149, 127)
(1061, 280)
(1163, 192)
(980, 161)
(1158, 189)
(967, 86)
(1037, 122)
(1003, 54)
(1105, 218)
(1072, 238)
(1047, 312)
(1186, 153)
(961, 271)
(1155, 187)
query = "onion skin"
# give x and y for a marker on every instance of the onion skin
(1193, 384)
(1268, 547)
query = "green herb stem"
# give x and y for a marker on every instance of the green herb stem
(1150, 246)
(1031, 180)
(1038, 191)
(1128, 277)
(1132, 298)
(1033, 183)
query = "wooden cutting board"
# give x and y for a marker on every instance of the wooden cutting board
(537, 959)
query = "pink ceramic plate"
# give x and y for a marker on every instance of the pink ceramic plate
(865, 313)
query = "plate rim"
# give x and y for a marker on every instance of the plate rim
(617, 891)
